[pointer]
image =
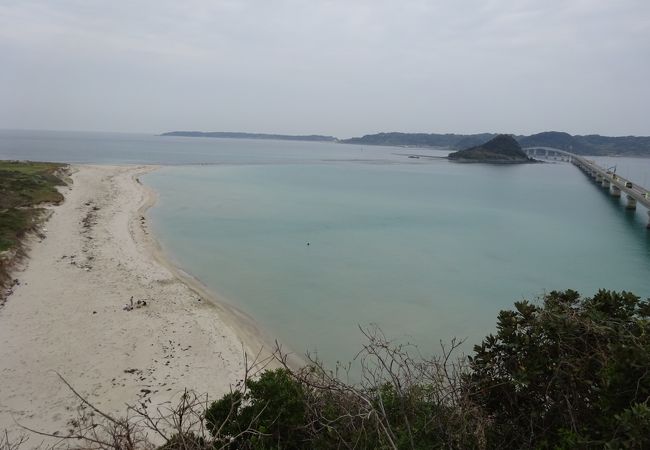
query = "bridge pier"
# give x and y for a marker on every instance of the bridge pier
(616, 191)
(648, 226)
(605, 183)
(631, 202)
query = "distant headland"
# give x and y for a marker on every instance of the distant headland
(503, 149)
(592, 144)
(237, 135)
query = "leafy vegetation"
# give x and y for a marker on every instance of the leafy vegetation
(571, 372)
(23, 187)
(275, 404)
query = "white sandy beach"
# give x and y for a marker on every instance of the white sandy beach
(66, 315)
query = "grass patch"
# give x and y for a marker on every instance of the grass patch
(14, 223)
(24, 186)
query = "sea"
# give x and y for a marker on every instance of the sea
(319, 241)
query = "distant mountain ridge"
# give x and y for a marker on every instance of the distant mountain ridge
(238, 135)
(592, 144)
(450, 140)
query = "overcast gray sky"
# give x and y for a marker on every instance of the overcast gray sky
(335, 67)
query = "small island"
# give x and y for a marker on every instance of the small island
(503, 149)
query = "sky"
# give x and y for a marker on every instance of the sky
(335, 67)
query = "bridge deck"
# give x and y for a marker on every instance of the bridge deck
(639, 193)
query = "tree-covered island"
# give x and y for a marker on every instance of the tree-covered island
(503, 149)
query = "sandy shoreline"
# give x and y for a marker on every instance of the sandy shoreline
(66, 315)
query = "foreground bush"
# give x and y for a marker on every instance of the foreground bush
(399, 405)
(270, 414)
(570, 372)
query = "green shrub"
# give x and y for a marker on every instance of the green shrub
(565, 373)
(270, 414)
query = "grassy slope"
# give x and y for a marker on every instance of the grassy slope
(23, 187)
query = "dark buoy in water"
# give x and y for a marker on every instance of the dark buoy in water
(308, 243)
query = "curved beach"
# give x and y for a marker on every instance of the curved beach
(68, 313)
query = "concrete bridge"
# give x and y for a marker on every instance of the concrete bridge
(614, 183)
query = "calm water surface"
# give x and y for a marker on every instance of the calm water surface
(122, 148)
(424, 248)
(427, 251)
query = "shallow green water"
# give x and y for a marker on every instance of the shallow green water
(427, 251)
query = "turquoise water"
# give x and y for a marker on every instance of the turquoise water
(427, 251)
